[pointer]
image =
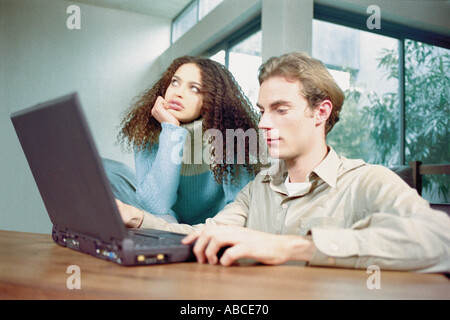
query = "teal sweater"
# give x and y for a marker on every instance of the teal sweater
(168, 185)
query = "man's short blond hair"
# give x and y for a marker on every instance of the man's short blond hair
(316, 82)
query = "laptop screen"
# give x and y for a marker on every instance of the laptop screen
(67, 168)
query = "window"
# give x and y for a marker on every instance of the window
(185, 21)
(244, 62)
(396, 88)
(219, 57)
(243, 58)
(427, 112)
(368, 126)
(206, 6)
(193, 13)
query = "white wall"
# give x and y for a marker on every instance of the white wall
(108, 62)
(286, 27)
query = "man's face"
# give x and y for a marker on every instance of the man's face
(286, 120)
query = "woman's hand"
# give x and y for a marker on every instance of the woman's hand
(131, 216)
(160, 112)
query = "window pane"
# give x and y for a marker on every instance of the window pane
(219, 57)
(206, 6)
(244, 62)
(427, 113)
(184, 22)
(365, 66)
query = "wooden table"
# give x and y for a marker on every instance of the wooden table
(33, 267)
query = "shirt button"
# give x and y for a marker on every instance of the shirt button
(284, 205)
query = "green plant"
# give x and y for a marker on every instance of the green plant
(372, 130)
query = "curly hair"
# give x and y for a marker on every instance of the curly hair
(224, 107)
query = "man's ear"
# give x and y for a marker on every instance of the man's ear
(323, 112)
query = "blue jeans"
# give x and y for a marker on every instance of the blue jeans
(123, 183)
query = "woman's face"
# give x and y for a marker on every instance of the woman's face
(183, 95)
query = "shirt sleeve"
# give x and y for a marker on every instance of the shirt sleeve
(395, 230)
(158, 171)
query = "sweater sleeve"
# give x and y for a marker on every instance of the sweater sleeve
(158, 171)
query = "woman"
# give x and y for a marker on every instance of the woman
(194, 95)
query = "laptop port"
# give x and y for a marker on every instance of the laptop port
(104, 252)
(151, 259)
(70, 242)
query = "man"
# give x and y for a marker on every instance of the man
(313, 205)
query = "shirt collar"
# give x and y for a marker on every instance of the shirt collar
(277, 171)
(327, 170)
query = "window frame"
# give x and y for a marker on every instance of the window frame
(197, 18)
(388, 28)
(228, 43)
(180, 15)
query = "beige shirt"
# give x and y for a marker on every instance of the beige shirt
(358, 215)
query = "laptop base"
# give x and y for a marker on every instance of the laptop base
(127, 252)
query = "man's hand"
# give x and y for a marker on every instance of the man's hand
(161, 113)
(245, 243)
(131, 216)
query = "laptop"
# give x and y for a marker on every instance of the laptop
(69, 174)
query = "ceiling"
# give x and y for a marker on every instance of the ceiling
(168, 9)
